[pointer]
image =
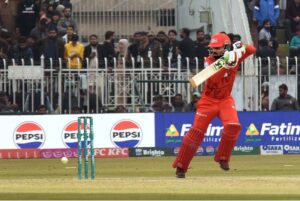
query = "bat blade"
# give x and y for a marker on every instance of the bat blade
(206, 73)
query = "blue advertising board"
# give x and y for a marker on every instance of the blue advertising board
(258, 128)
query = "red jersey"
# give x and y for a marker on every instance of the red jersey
(219, 85)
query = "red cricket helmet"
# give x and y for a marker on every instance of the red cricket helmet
(219, 40)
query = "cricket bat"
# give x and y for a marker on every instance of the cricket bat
(206, 73)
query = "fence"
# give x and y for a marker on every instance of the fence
(96, 90)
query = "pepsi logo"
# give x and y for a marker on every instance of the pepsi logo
(29, 135)
(210, 150)
(69, 134)
(126, 133)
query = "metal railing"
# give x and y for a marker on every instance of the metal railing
(120, 82)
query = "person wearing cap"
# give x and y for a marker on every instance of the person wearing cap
(216, 101)
(74, 51)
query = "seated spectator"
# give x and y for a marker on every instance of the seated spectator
(192, 106)
(74, 51)
(21, 51)
(42, 109)
(121, 109)
(264, 52)
(295, 44)
(66, 21)
(4, 104)
(284, 102)
(267, 9)
(159, 105)
(265, 97)
(179, 104)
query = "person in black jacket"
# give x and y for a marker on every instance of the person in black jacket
(186, 46)
(94, 50)
(109, 48)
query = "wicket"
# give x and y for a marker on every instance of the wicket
(88, 148)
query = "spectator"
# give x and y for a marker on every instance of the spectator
(133, 49)
(295, 44)
(265, 33)
(52, 46)
(39, 32)
(192, 106)
(3, 44)
(27, 15)
(109, 48)
(42, 109)
(66, 3)
(284, 102)
(267, 9)
(74, 51)
(54, 20)
(293, 17)
(265, 97)
(75, 110)
(186, 47)
(7, 17)
(179, 104)
(120, 76)
(148, 49)
(32, 44)
(94, 50)
(4, 104)
(236, 38)
(66, 21)
(68, 36)
(264, 52)
(169, 49)
(162, 37)
(121, 109)
(21, 51)
(201, 49)
(159, 105)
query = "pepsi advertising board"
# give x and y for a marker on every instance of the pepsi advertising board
(258, 128)
(60, 131)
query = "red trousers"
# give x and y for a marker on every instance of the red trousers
(207, 110)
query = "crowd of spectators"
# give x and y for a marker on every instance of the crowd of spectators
(46, 28)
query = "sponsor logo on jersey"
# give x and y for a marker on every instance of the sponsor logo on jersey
(29, 135)
(126, 133)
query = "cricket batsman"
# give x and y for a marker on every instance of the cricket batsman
(217, 101)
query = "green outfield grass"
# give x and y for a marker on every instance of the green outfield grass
(250, 177)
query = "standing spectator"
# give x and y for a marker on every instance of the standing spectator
(31, 43)
(109, 47)
(74, 51)
(133, 49)
(186, 47)
(21, 51)
(265, 33)
(54, 19)
(295, 44)
(7, 18)
(52, 46)
(27, 15)
(179, 104)
(66, 21)
(169, 49)
(264, 52)
(162, 37)
(68, 36)
(66, 3)
(293, 17)
(42, 109)
(39, 32)
(267, 9)
(122, 58)
(3, 46)
(201, 50)
(284, 102)
(94, 50)
(148, 49)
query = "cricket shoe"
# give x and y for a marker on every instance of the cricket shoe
(224, 165)
(180, 173)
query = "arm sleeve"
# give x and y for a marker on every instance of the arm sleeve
(276, 12)
(274, 105)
